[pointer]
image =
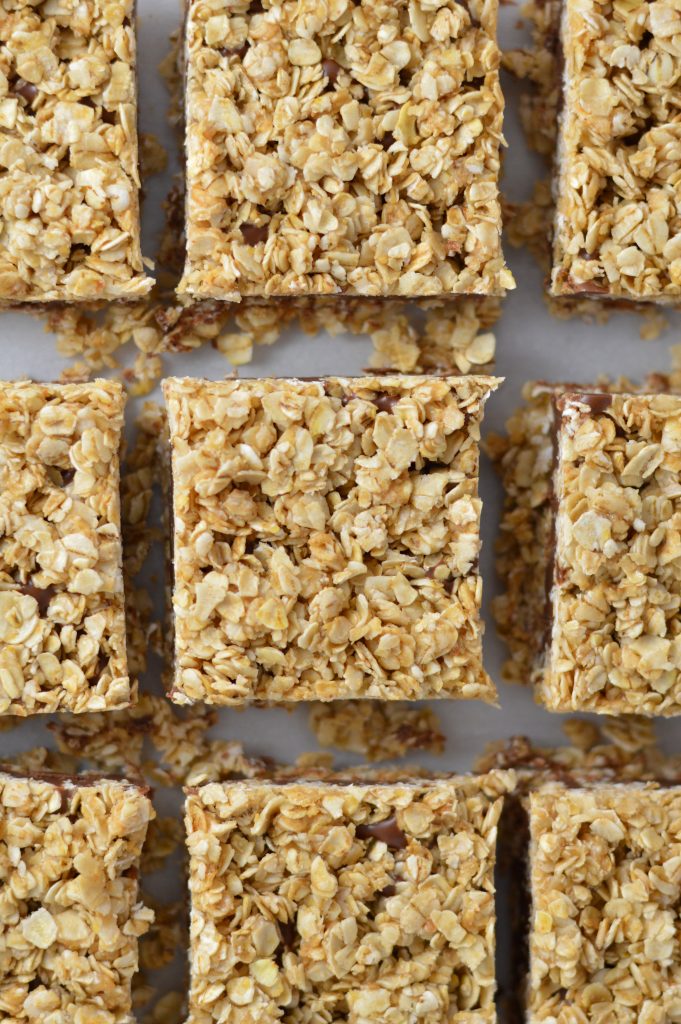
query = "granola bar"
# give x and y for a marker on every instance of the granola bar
(62, 620)
(326, 538)
(605, 888)
(591, 550)
(346, 148)
(359, 902)
(71, 918)
(617, 228)
(69, 179)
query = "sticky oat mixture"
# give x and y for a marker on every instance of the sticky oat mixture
(70, 916)
(62, 622)
(343, 146)
(357, 902)
(591, 554)
(617, 228)
(605, 885)
(69, 181)
(326, 538)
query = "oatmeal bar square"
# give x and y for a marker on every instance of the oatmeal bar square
(62, 619)
(349, 147)
(598, 587)
(70, 913)
(69, 178)
(605, 883)
(360, 902)
(617, 230)
(326, 538)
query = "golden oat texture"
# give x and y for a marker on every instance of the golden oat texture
(605, 888)
(71, 915)
(590, 551)
(348, 147)
(363, 901)
(62, 621)
(617, 228)
(326, 538)
(69, 180)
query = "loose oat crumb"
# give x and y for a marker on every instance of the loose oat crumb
(622, 749)
(378, 731)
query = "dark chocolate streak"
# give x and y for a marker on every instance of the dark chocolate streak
(331, 70)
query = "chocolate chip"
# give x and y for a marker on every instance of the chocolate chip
(597, 403)
(256, 7)
(386, 831)
(331, 70)
(254, 233)
(43, 595)
(287, 930)
(449, 585)
(239, 52)
(67, 476)
(385, 402)
(389, 891)
(25, 89)
(387, 140)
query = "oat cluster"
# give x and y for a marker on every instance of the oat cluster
(71, 917)
(326, 538)
(362, 901)
(617, 230)
(600, 534)
(343, 147)
(69, 180)
(605, 886)
(376, 729)
(62, 620)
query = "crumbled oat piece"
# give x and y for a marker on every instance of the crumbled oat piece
(362, 901)
(69, 180)
(591, 550)
(605, 887)
(326, 538)
(62, 622)
(378, 731)
(614, 750)
(350, 148)
(71, 917)
(617, 227)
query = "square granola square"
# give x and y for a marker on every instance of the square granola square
(326, 538)
(69, 177)
(62, 618)
(615, 642)
(349, 147)
(605, 883)
(591, 549)
(358, 902)
(617, 226)
(70, 915)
